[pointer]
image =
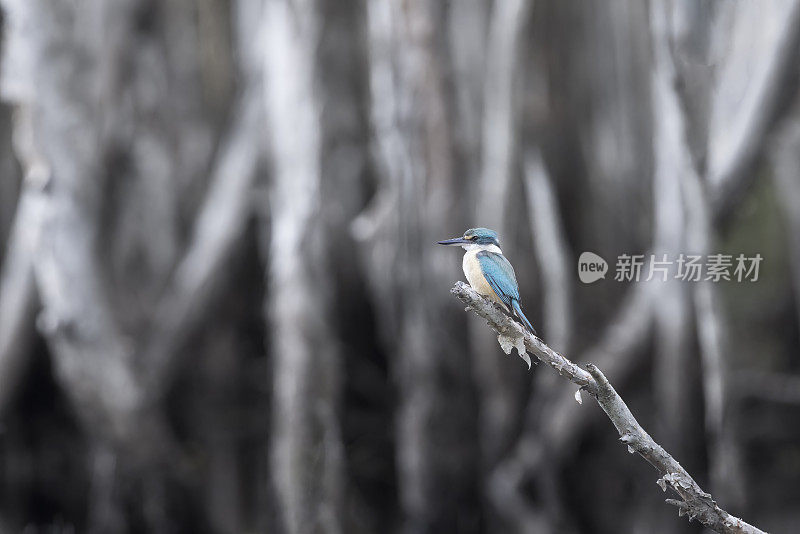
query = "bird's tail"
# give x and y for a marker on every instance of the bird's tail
(525, 321)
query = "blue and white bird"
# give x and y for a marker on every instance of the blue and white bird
(488, 271)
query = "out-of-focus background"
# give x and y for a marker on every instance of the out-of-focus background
(222, 308)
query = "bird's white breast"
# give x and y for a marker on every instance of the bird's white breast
(475, 277)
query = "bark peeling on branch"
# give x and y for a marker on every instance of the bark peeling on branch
(694, 502)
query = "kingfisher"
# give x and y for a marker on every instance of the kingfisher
(488, 271)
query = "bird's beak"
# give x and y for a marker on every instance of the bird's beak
(454, 241)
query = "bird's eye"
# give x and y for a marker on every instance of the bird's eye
(474, 237)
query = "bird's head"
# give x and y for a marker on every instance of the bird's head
(474, 238)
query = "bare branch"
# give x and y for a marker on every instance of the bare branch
(696, 503)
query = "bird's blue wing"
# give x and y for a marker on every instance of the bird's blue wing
(500, 276)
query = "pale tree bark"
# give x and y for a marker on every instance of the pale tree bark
(90, 135)
(222, 216)
(61, 144)
(673, 311)
(672, 304)
(306, 440)
(93, 360)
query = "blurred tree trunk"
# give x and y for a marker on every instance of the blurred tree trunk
(307, 456)
(68, 110)
(111, 132)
